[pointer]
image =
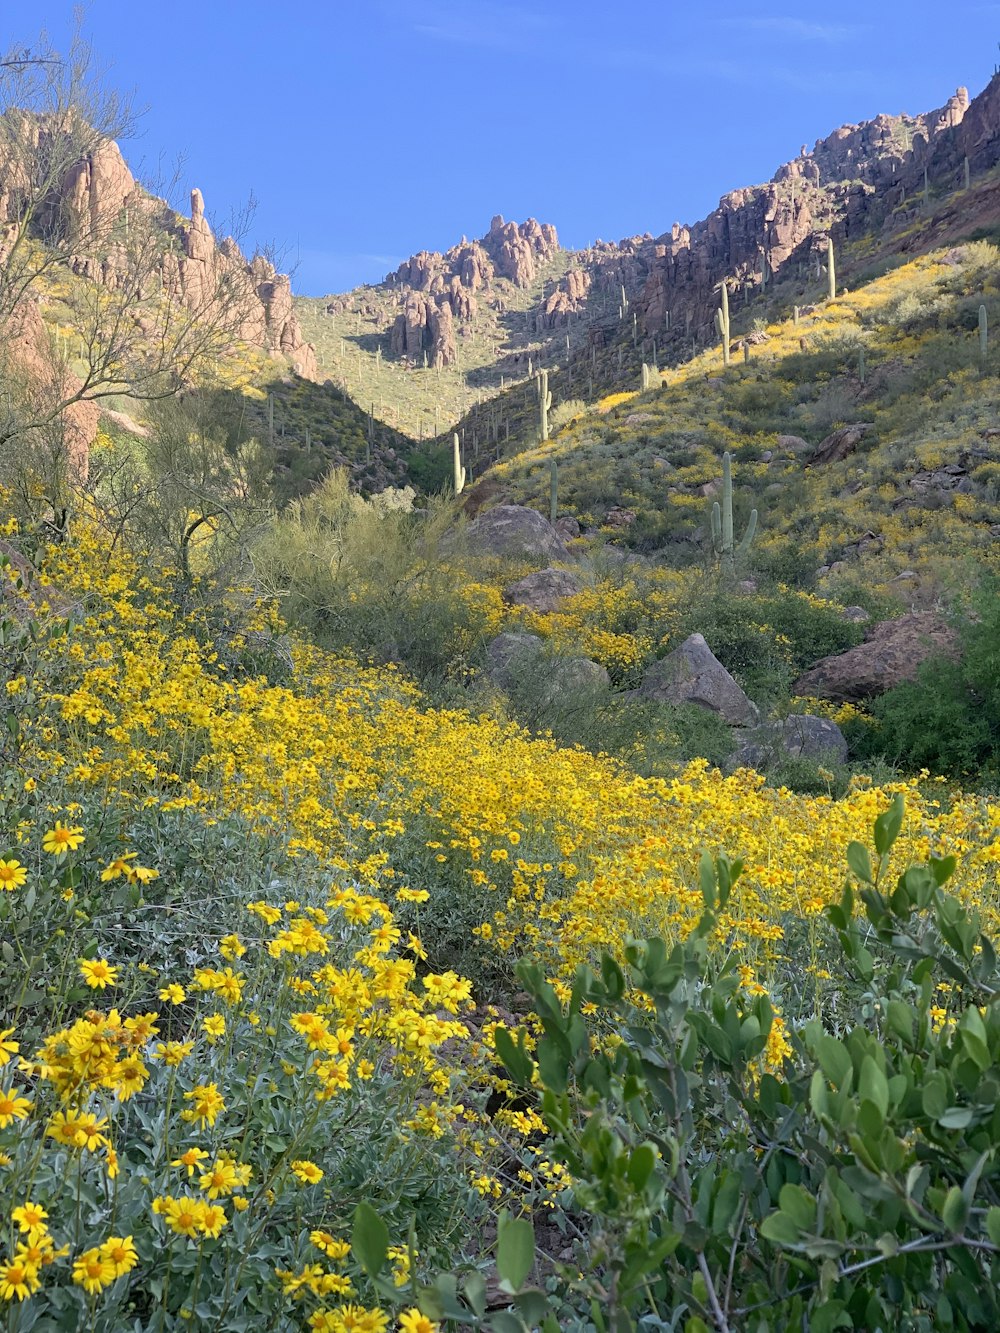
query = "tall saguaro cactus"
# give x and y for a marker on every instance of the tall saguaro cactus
(456, 450)
(645, 378)
(984, 333)
(544, 403)
(831, 268)
(723, 542)
(722, 322)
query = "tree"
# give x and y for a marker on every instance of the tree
(145, 300)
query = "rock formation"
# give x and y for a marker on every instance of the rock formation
(891, 654)
(99, 190)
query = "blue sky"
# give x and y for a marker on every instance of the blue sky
(368, 129)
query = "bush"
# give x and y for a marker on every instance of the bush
(948, 719)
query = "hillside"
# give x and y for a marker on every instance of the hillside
(595, 315)
(567, 904)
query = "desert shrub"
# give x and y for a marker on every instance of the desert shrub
(376, 578)
(947, 720)
(563, 413)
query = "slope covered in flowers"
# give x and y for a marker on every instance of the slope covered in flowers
(256, 901)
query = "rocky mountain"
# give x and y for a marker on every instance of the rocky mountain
(99, 188)
(489, 313)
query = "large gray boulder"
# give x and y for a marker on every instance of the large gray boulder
(692, 674)
(799, 736)
(892, 653)
(513, 530)
(519, 662)
(508, 656)
(543, 591)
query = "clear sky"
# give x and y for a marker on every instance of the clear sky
(369, 129)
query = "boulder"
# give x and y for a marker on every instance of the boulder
(891, 654)
(792, 444)
(856, 615)
(508, 654)
(799, 736)
(840, 443)
(692, 674)
(513, 530)
(512, 659)
(544, 591)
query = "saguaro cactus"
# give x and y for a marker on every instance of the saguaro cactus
(831, 268)
(553, 489)
(722, 322)
(456, 450)
(544, 403)
(645, 378)
(984, 333)
(722, 524)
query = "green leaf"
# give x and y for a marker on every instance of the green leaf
(888, 825)
(706, 874)
(797, 1204)
(779, 1228)
(515, 1249)
(955, 1211)
(860, 862)
(956, 1117)
(872, 1085)
(993, 1225)
(641, 1164)
(532, 1305)
(516, 1061)
(369, 1239)
(475, 1293)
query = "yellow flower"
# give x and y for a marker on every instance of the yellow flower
(98, 973)
(183, 1215)
(29, 1217)
(117, 867)
(213, 1027)
(191, 1158)
(12, 875)
(19, 1279)
(12, 1107)
(62, 839)
(308, 1173)
(120, 1250)
(412, 1321)
(221, 1179)
(231, 946)
(207, 1103)
(213, 1219)
(94, 1271)
(7, 1047)
(173, 1052)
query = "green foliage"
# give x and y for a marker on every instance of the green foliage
(948, 719)
(725, 1178)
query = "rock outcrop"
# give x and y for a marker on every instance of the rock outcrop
(799, 736)
(45, 381)
(514, 530)
(692, 674)
(892, 653)
(212, 280)
(544, 591)
(520, 664)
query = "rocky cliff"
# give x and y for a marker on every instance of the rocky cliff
(99, 189)
(437, 290)
(861, 178)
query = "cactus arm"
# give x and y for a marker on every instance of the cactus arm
(459, 470)
(748, 536)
